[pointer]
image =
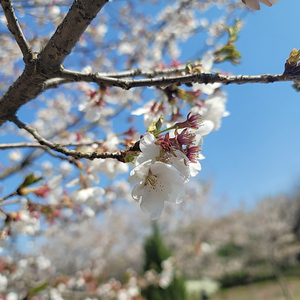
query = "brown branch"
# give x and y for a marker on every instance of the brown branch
(120, 156)
(16, 30)
(45, 148)
(148, 73)
(37, 145)
(30, 145)
(167, 81)
(33, 155)
(16, 168)
(67, 34)
(54, 83)
(44, 64)
(21, 145)
(8, 196)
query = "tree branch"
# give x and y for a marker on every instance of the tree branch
(37, 145)
(120, 156)
(167, 81)
(29, 145)
(16, 30)
(16, 168)
(21, 145)
(54, 83)
(8, 196)
(148, 73)
(44, 64)
(33, 155)
(67, 34)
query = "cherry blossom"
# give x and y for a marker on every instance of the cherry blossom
(156, 183)
(177, 151)
(88, 196)
(3, 283)
(12, 296)
(25, 222)
(15, 156)
(51, 189)
(92, 111)
(109, 166)
(149, 150)
(167, 274)
(213, 109)
(152, 111)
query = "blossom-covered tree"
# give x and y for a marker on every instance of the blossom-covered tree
(75, 75)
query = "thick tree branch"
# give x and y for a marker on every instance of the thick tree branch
(67, 34)
(16, 30)
(41, 68)
(120, 156)
(177, 80)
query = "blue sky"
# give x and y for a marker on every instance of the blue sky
(256, 151)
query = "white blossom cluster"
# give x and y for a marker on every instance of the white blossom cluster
(15, 276)
(166, 163)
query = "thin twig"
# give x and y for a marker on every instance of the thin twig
(12, 201)
(21, 145)
(8, 196)
(120, 156)
(37, 145)
(34, 153)
(16, 30)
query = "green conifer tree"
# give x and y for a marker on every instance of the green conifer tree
(155, 253)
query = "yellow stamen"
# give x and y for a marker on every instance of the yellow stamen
(151, 179)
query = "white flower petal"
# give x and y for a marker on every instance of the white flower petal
(162, 183)
(206, 127)
(139, 172)
(93, 115)
(207, 62)
(152, 205)
(137, 191)
(149, 149)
